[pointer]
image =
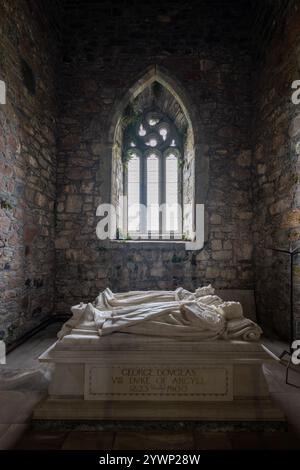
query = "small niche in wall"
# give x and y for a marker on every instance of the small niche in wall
(28, 77)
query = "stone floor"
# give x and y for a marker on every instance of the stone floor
(26, 357)
(159, 440)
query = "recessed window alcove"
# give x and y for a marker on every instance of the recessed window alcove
(155, 156)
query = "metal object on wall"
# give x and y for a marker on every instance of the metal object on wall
(292, 252)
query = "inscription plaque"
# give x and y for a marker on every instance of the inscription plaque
(163, 382)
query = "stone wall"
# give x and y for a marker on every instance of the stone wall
(28, 55)
(205, 47)
(276, 137)
(250, 134)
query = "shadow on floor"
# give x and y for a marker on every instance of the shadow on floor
(187, 440)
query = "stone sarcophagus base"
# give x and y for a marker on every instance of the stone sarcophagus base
(143, 378)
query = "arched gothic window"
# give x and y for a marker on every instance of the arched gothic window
(153, 156)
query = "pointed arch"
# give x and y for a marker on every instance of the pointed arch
(160, 75)
(200, 168)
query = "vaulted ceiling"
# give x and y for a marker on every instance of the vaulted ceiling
(97, 27)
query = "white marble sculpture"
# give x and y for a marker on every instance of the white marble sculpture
(179, 314)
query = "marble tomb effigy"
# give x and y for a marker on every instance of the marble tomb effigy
(158, 355)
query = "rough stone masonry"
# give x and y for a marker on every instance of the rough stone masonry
(66, 66)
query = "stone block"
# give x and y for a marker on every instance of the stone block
(245, 157)
(74, 203)
(244, 250)
(261, 168)
(216, 245)
(62, 243)
(212, 272)
(222, 255)
(294, 129)
(215, 219)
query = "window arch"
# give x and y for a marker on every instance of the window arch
(153, 157)
(156, 88)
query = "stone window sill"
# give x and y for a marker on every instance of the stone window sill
(153, 244)
(150, 244)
